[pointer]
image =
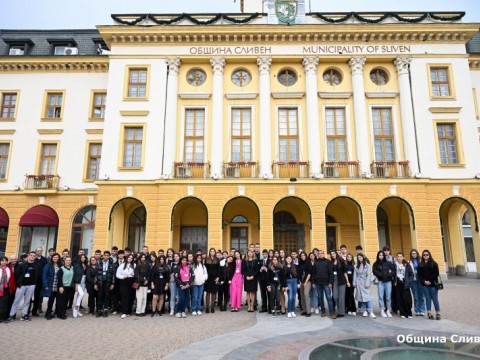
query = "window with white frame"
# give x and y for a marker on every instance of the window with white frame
(336, 134)
(241, 134)
(194, 135)
(288, 134)
(383, 134)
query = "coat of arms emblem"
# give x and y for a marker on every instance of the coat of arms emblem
(286, 10)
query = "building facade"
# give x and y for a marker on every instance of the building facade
(291, 129)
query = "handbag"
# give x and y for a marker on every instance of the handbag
(135, 285)
(439, 283)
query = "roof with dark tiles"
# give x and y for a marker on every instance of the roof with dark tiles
(473, 46)
(41, 42)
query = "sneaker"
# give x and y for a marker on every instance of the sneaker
(402, 317)
(383, 314)
(194, 313)
(389, 314)
(114, 312)
(289, 314)
(293, 314)
(8, 320)
(372, 315)
(79, 314)
(124, 316)
(354, 313)
(349, 313)
(75, 313)
(365, 314)
(26, 318)
(184, 315)
(317, 311)
(154, 314)
(199, 313)
(178, 315)
(171, 312)
(410, 317)
(422, 314)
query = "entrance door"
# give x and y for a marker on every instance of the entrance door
(193, 238)
(239, 238)
(287, 234)
(382, 227)
(331, 238)
(469, 250)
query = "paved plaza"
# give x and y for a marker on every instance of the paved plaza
(226, 335)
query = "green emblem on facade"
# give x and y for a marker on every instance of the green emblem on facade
(286, 10)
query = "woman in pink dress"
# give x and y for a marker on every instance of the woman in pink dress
(236, 282)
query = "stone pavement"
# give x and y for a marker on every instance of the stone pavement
(226, 335)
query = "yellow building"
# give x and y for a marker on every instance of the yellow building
(292, 130)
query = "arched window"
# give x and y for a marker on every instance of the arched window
(83, 229)
(136, 228)
(239, 219)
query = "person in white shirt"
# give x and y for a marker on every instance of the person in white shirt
(201, 275)
(126, 273)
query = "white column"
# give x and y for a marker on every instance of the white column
(170, 145)
(360, 110)
(406, 111)
(265, 130)
(217, 118)
(313, 125)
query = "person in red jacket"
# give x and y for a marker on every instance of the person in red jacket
(7, 283)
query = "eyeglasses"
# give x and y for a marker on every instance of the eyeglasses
(425, 255)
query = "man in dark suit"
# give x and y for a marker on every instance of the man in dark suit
(262, 280)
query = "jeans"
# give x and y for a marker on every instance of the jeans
(418, 297)
(292, 294)
(197, 297)
(365, 305)
(183, 298)
(173, 294)
(431, 294)
(384, 289)
(314, 297)
(25, 292)
(323, 288)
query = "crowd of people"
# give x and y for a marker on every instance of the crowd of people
(176, 283)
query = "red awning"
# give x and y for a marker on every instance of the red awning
(39, 216)
(3, 219)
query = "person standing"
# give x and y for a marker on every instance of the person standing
(223, 287)
(323, 281)
(50, 283)
(428, 274)
(263, 264)
(276, 284)
(350, 306)
(91, 285)
(292, 285)
(106, 282)
(184, 277)
(404, 279)
(200, 277)
(66, 278)
(6, 279)
(126, 273)
(211, 284)
(385, 274)
(142, 278)
(305, 286)
(340, 282)
(159, 279)
(26, 278)
(417, 289)
(362, 279)
(173, 267)
(80, 270)
(236, 282)
(40, 262)
(250, 271)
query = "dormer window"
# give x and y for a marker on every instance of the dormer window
(18, 47)
(16, 50)
(61, 47)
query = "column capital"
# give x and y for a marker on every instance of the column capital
(310, 65)
(173, 65)
(218, 65)
(402, 64)
(356, 64)
(264, 65)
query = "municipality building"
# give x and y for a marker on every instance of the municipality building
(275, 125)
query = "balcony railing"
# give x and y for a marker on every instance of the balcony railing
(291, 169)
(390, 169)
(340, 169)
(240, 169)
(41, 182)
(191, 170)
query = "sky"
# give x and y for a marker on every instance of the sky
(86, 14)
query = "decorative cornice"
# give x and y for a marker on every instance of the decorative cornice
(288, 94)
(381, 94)
(264, 65)
(356, 64)
(335, 94)
(94, 131)
(402, 65)
(445, 110)
(241, 95)
(134, 112)
(194, 96)
(310, 65)
(474, 62)
(173, 65)
(218, 64)
(7, 131)
(50, 131)
(54, 64)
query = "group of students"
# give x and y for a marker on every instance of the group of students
(177, 283)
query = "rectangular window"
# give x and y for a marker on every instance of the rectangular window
(98, 105)
(53, 108)
(94, 157)
(137, 83)
(440, 81)
(48, 159)
(194, 135)
(288, 134)
(383, 134)
(447, 142)
(4, 153)
(336, 134)
(241, 134)
(9, 103)
(133, 143)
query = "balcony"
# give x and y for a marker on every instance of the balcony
(240, 169)
(291, 169)
(197, 170)
(41, 182)
(340, 169)
(390, 169)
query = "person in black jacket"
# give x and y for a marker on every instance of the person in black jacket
(323, 281)
(159, 279)
(404, 279)
(384, 271)
(80, 269)
(66, 285)
(211, 285)
(350, 306)
(428, 274)
(340, 283)
(302, 274)
(26, 279)
(142, 278)
(40, 262)
(106, 270)
(250, 270)
(263, 264)
(91, 284)
(184, 277)
(276, 284)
